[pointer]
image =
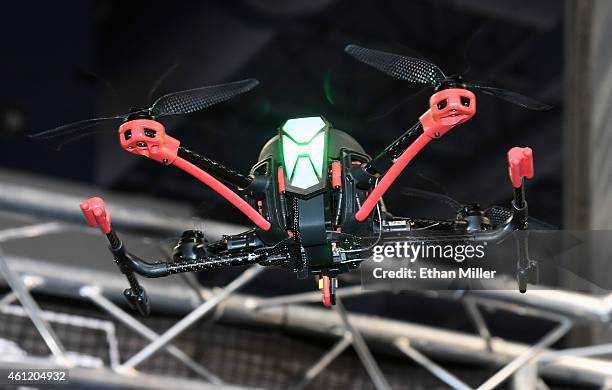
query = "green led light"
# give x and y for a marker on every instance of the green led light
(303, 142)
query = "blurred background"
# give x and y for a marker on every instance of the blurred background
(73, 60)
(95, 58)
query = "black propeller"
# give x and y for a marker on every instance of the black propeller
(176, 103)
(420, 71)
(498, 215)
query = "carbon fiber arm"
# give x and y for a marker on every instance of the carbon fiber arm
(383, 161)
(214, 168)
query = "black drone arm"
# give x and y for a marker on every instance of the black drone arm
(216, 169)
(384, 160)
(131, 263)
(189, 261)
(364, 175)
(447, 235)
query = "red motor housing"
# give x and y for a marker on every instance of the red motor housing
(148, 138)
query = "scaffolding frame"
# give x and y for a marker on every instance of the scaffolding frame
(524, 365)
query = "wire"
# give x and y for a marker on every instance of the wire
(377, 240)
(427, 227)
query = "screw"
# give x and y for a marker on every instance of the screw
(437, 134)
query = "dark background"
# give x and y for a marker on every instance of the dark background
(66, 61)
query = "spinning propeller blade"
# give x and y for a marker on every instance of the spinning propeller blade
(73, 127)
(401, 67)
(498, 215)
(183, 102)
(192, 100)
(513, 97)
(419, 71)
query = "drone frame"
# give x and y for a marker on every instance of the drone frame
(274, 243)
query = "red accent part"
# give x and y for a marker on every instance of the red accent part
(326, 291)
(224, 191)
(289, 233)
(438, 121)
(390, 176)
(520, 165)
(281, 179)
(95, 213)
(336, 173)
(447, 109)
(148, 138)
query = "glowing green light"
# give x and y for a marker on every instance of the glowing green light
(303, 142)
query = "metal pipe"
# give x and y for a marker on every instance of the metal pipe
(593, 350)
(93, 293)
(403, 345)
(323, 362)
(29, 304)
(192, 317)
(526, 378)
(104, 378)
(10, 297)
(29, 231)
(580, 307)
(432, 342)
(40, 201)
(312, 297)
(478, 320)
(107, 327)
(435, 343)
(528, 356)
(379, 380)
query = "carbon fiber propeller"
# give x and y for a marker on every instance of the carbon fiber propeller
(176, 103)
(419, 71)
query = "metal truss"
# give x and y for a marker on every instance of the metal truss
(524, 365)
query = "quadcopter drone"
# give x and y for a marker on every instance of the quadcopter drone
(315, 196)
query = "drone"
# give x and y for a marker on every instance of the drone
(314, 197)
